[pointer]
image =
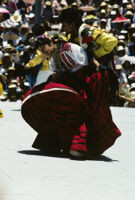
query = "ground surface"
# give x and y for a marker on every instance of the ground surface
(25, 174)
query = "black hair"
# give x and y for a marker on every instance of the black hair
(41, 41)
(71, 15)
(38, 29)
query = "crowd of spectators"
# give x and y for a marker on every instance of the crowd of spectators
(18, 33)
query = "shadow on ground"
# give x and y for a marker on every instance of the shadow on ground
(64, 155)
(16, 110)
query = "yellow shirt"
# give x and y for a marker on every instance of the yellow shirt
(105, 41)
(39, 57)
(1, 88)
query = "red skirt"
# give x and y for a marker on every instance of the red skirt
(55, 111)
(102, 131)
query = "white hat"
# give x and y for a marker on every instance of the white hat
(13, 21)
(103, 11)
(6, 54)
(84, 40)
(124, 32)
(10, 86)
(48, 3)
(16, 17)
(125, 1)
(103, 4)
(113, 12)
(31, 15)
(129, 13)
(11, 69)
(115, 6)
(26, 84)
(120, 48)
(132, 25)
(8, 47)
(73, 56)
(118, 67)
(103, 20)
(63, 2)
(121, 37)
(14, 81)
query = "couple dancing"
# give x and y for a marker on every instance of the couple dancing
(71, 110)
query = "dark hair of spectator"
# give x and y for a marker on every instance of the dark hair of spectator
(38, 29)
(71, 15)
(41, 41)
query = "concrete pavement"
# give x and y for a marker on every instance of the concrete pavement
(26, 174)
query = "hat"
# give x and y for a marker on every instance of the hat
(118, 67)
(132, 26)
(63, 2)
(14, 81)
(121, 42)
(11, 69)
(4, 11)
(16, 17)
(3, 97)
(120, 48)
(132, 77)
(115, 6)
(103, 11)
(125, 2)
(103, 4)
(31, 15)
(103, 20)
(10, 36)
(3, 76)
(129, 13)
(123, 32)
(128, 7)
(89, 17)
(56, 26)
(13, 21)
(73, 56)
(8, 48)
(48, 3)
(55, 17)
(121, 37)
(6, 54)
(113, 12)
(12, 86)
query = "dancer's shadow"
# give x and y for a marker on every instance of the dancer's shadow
(16, 109)
(42, 153)
(65, 155)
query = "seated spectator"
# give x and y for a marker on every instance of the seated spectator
(120, 55)
(126, 69)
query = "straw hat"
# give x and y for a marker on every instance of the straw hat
(129, 13)
(8, 48)
(103, 11)
(120, 48)
(3, 77)
(12, 86)
(16, 17)
(48, 3)
(103, 4)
